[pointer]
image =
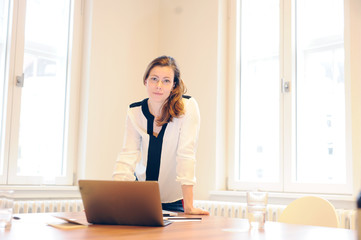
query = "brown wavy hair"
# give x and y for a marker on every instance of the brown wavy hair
(173, 106)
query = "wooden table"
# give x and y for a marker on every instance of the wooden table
(34, 226)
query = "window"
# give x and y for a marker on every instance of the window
(292, 102)
(259, 91)
(36, 55)
(4, 31)
(320, 93)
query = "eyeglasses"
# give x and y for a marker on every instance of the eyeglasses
(165, 82)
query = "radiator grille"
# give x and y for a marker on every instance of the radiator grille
(43, 206)
(347, 218)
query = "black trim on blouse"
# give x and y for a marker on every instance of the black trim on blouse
(155, 145)
(136, 104)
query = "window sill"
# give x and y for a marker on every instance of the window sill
(43, 192)
(338, 201)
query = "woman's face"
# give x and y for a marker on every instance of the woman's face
(160, 83)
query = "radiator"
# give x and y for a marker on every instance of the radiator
(43, 206)
(347, 218)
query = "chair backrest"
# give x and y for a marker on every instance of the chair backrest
(310, 210)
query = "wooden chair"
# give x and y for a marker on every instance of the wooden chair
(310, 210)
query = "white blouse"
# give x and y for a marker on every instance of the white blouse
(175, 148)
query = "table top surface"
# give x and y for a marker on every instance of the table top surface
(209, 228)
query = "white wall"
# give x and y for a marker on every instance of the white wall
(120, 38)
(353, 72)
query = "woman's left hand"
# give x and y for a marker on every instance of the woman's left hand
(196, 211)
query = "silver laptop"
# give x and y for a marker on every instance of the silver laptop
(122, 202)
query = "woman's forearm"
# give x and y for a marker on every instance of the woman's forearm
(188, 201)
(187, 197)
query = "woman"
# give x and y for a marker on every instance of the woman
(161, 138)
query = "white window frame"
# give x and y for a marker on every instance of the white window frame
(15, 68)
(286, 182)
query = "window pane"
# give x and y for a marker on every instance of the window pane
(43, 99)
(259, 107)
(4, 23)
(320, 92)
